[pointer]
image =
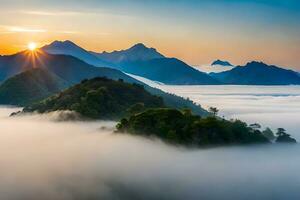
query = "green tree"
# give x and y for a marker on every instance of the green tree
(268, 133)
(281, 132)
(214, 111)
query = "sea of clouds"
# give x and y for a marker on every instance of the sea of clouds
(41, 158)
(272, 106)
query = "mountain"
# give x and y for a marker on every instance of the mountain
(222, 63)
(138, 52)
(73, 70)
(258, 73)
(138, 60)
(147, 62)
(30, 86)
(168, 71)
(69, 68)
(100, 98)
(69, 48)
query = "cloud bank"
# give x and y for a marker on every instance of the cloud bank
(44, 159)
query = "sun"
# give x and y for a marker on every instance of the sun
(32, 46)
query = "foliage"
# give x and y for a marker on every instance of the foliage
(214, 111)
(283, 137)
(183, 128)
(100, 98)
(268, 133)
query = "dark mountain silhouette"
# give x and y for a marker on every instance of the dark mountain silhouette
(168, 71)
(30, 86)
(138, 60)
(69, 48)
(222, 63)
(66, 67)
(147, 62)
(73, 70)
(138, 52)
(258, 73)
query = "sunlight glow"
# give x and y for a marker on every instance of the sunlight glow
(31, 46)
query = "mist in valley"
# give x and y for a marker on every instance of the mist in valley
(41, 158)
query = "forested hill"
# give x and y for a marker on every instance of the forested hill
(100, 98)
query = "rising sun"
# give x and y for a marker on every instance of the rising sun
(31, 46)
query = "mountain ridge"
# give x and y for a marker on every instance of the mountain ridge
(258, 73)
(68, 47)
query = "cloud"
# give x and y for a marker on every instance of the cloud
(86, 160)
(51, 13)
(20, 29)
(26, 30)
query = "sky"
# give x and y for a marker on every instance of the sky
(197, 32)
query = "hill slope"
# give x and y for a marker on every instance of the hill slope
(258, 73)
(30, 86)
(100, 98)
(169, 71)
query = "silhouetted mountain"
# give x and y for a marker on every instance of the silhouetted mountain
(29, 86)
(147, 62)
(139, 60)
(138, 52)
(168, 71)
(222, 63)
(69, 48)
(258, 73)
(66, 67)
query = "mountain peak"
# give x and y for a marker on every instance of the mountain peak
(256, 64)
(64, 43)
(221, 62)
(138, 52)
(138, 46)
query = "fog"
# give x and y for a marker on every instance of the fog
(270, 106)
(41, 158)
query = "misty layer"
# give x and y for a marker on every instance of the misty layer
(44, 159)
(270, 106)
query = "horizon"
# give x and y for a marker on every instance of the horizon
(28, 48)
(195, 32)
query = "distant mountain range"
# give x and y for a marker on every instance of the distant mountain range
(149, 63)
(138, 60)
(138, 52)
(258, 73)
(73, 63)
(222, 63)
(69, 48)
